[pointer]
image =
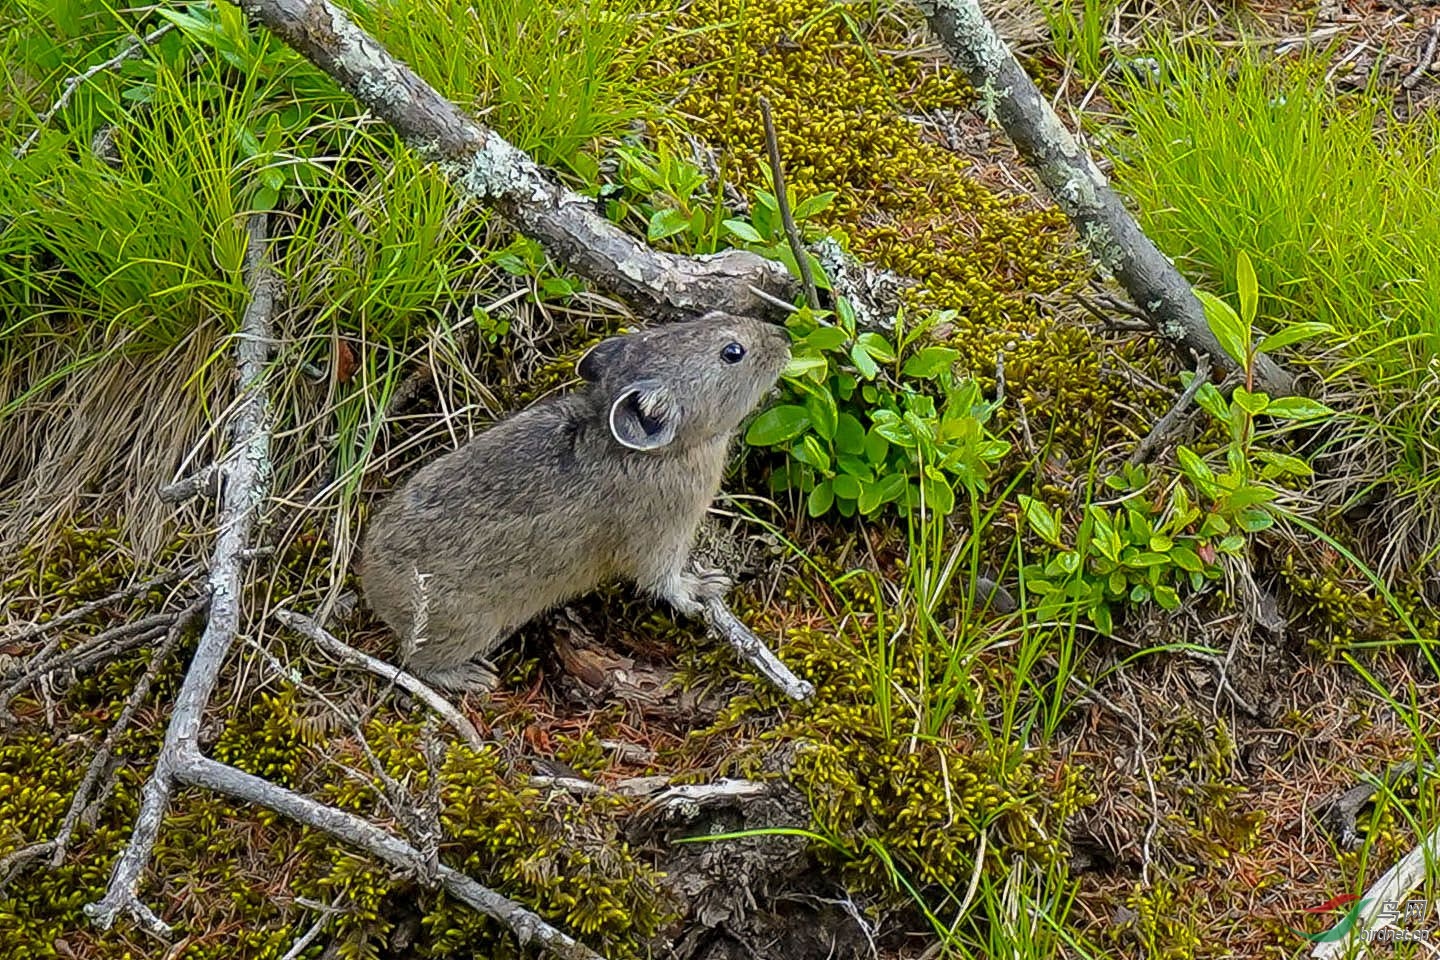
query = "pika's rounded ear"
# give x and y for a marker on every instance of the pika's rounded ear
(644, 416)
(592, 366)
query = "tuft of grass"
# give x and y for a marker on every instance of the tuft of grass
(1079, 32)
(1334, 201)
(553, 78)
(118, 255)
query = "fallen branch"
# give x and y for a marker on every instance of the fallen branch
(485, 167)
(105, 645)
(245, 489)
(388, 672)
(200, 771)
(180, 762)
(728, 627)
(29, 633)
(1008, 95)
(206, 480)
(1393, 888)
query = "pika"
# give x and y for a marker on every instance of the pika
(608, 482)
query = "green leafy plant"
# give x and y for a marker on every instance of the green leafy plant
(1153, 545)
(869, 421)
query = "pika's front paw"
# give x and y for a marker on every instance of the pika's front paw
(710, 584)
(472, 676)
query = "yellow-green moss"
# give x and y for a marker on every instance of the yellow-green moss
(1166, 919)
(243, 867)
(1341, 610)
(843, 112)
(883, 791)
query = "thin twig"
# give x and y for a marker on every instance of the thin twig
(528, 927)
(792, 232)
(133, 46)
(84, 610)
(103, 645)
(1174, 418)
(385, 671)
(206, 480)
(1422, 66)
(728, 627)
(85, 796)
(773, 300)
(137, 696)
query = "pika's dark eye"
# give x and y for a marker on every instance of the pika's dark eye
(732, 353)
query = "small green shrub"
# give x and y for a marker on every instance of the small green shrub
(869, 421)
(1153, 545)
(668, 199)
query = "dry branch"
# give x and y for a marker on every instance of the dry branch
(1008, 95)
(201, 771)
(84, 610)
(1174, 419)
(487, 168)
(132, 47)
(247, 485)
(782, 201)
(93, 790)
(247, 479)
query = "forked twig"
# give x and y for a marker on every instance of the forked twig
(386, 671)
(248, 480)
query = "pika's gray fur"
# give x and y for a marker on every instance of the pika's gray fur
(607, 482)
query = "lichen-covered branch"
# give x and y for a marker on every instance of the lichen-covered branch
(1008, 95)
(486, 167)
(246, 487)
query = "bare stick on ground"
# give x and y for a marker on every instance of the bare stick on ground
(84, 610)
(248, 482)
(385, 671)
(1167, 426)
(728, 627)
(201, 771)
(1008, 95)
(487, 168)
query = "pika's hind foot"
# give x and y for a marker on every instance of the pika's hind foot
(472, 676)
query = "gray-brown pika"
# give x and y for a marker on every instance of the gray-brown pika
(607, 482)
